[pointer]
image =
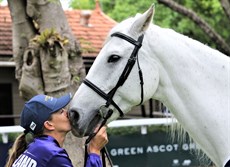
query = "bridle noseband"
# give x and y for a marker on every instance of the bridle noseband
(132, 59)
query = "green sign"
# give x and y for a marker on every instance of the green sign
(150, 150)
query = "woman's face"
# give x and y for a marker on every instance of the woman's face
(61, 121)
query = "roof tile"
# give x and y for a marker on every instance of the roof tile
(91, 37)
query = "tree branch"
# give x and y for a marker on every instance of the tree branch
(224, 47)
(226, 7)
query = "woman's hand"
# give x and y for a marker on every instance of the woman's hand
(98, 141)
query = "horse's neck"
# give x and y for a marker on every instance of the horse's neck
(194, 85)
(185, 63)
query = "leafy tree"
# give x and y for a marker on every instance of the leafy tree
(210, 16)
(189, 20)
(82, 4)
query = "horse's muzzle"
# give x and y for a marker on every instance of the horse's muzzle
(82, 125)
(74, 118)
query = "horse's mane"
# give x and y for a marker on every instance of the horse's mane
(178, 134)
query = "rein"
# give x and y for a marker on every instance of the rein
(104, 151)
(109, 97)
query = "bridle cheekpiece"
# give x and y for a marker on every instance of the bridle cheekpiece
(109, 96)
(132, 59)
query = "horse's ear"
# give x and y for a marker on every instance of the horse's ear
(142, 22)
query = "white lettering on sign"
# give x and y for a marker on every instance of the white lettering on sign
(151, 149)
(187, 147)
(127, 151)
(162, 148)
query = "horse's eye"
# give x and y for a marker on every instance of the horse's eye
(113, 58)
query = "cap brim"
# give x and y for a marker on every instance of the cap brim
(62, 102)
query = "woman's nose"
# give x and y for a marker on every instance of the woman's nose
(65, 111)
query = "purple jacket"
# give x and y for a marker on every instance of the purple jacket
(45, 151)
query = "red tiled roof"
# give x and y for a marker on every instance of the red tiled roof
(91, 37)
(5, 31)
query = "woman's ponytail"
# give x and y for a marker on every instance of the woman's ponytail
(18, 148)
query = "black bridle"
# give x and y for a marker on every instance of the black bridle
(132, 59)
(109, 96)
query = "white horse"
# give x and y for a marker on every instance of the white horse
(190, 78)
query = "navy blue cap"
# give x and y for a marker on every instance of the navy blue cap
(38, 110)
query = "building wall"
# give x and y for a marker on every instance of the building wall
(7, 76)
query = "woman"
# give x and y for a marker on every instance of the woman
(46, 118)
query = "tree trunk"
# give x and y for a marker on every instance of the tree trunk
(224, 47)
(47, 56)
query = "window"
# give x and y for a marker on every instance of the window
(6, 111)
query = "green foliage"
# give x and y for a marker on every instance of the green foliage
(11, 137)
(49, 36)
(82, 4)
(210, 11)
(122, 9)
(135, 130)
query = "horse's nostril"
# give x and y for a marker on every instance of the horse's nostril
(74, 115)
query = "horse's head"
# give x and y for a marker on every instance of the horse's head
(104, 89)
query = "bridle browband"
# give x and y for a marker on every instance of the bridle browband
(109, 97)
(132, 59)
